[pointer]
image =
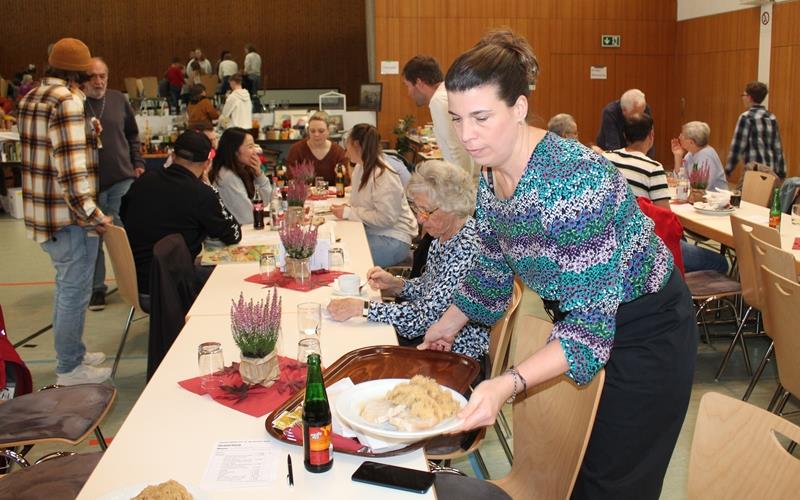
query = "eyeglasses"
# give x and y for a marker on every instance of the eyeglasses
(421, 212)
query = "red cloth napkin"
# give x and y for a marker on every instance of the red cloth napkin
(321, 196)
(255, 400)
(341, 443)
(796, 245)
(318, 279)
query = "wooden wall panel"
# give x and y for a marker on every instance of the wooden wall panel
(784, 84)
(565, 36)
(140, 37)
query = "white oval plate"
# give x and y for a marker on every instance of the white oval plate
(350, 403)
(131, 490)
(704, 208)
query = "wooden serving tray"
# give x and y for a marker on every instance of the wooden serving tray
(376, 362)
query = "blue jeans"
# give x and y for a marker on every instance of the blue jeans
(387, 251)
(697, 258)
(109, 202)
(73, 251)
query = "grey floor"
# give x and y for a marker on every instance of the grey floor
(26, 290)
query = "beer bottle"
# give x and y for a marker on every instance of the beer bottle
(258, 211)
(775, 211)
(340, 180)
(317, 428)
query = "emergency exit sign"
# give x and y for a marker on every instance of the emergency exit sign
(610, 40)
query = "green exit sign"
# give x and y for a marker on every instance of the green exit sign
(610, 40)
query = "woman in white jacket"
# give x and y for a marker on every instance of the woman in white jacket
(238, 110)
(377, 199)
(236, 173)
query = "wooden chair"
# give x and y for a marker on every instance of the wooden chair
(782, 263)
(783, 302)
(149, 87)
(499, 341)
(132, 88)
(736, 455)
(60, 478)
(210, 82)
(119, 251)
(757, 187)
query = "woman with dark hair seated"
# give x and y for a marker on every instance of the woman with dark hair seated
(236, 173)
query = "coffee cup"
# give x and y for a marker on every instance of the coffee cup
(348, 284)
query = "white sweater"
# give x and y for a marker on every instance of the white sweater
(238, 110)
(381, 205)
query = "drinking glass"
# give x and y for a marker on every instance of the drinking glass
(335, 259)
(309, 319)
(736, 198)
(209, 361)
(308, 346)
(796, 214)
(268, 266)
(682, 189)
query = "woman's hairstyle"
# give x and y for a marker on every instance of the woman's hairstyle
(229, 144)
(562, 124)
(370, 141)
(698, 132)
(249, 47)
(320, 116)
(236, 77)
(196, 92)
(226, 54)
(501, 58)
(446, 186)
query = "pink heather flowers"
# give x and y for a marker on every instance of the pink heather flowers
(299, 241)
(296, 193)
(256, 326)
(698, 177)
(302, 171)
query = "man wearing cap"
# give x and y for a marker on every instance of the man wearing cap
(120, 160)
(171, 200)
(59, 181)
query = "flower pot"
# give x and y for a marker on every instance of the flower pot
(696, 195)
(300, 270)
(264, 371)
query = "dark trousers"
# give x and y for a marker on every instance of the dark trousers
(645, 397)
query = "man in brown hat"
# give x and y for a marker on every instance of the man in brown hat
(59, 199)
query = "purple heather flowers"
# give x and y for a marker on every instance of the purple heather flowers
(255, 326)
(299, 241)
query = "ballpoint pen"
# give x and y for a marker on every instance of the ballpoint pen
(290, 475)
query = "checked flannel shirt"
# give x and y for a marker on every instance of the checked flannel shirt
(757, 139)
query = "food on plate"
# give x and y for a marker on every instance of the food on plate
(412, 406)
(168, 490)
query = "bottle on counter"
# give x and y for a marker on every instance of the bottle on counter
(258, 211)
(340, 181)
(275, 208)
(317, 424)
(775, 211)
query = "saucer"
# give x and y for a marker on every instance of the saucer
(340, 293)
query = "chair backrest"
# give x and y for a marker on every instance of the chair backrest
(748, 276)
(119, 251)
(500, 336)
(552, 424)
(776, 260)
(783, 301)
(210, 82)
(735, 453)
(132, 88)
(757, 187)
(149, 87)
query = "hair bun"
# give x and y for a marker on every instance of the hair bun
(506, 39)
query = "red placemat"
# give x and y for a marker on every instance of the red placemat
(318, 279)
(796, 245)
(255, 400)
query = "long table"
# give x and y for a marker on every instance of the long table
(170, 433)
(718, 228)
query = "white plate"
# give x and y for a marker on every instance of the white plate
(704, 208)
(130, 491)
(350, 402)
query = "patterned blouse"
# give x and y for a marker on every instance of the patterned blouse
(432, 293)
(573, 233)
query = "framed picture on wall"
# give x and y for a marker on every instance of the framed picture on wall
(332, 101)
(370, 96)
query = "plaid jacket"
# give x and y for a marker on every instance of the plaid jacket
(59, 167)
(757, 139)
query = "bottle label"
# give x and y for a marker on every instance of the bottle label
(319, 444)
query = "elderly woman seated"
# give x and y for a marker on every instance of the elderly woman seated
(443, 198)
(691, 147)
(563, 125)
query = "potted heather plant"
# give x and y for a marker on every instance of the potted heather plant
(303, 171)
(299, 242)
(255, 328)
(698, 181)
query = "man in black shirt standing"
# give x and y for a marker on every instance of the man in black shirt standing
(174, 200)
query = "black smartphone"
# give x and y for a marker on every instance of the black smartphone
(393, 476)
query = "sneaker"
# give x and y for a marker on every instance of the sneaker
(98, 301)
(84, 374)
(93, 358)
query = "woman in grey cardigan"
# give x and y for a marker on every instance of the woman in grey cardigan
(236, 173)
(377, 199)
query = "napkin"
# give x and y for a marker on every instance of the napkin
(796, 244)
(255, 400)
(318, 279)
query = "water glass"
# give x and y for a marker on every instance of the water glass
(209, 361)
(309, 319)
(796, 214)
(308, 346)
(336, 259)
(268, 267)
(736, 198)
(682, 189)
